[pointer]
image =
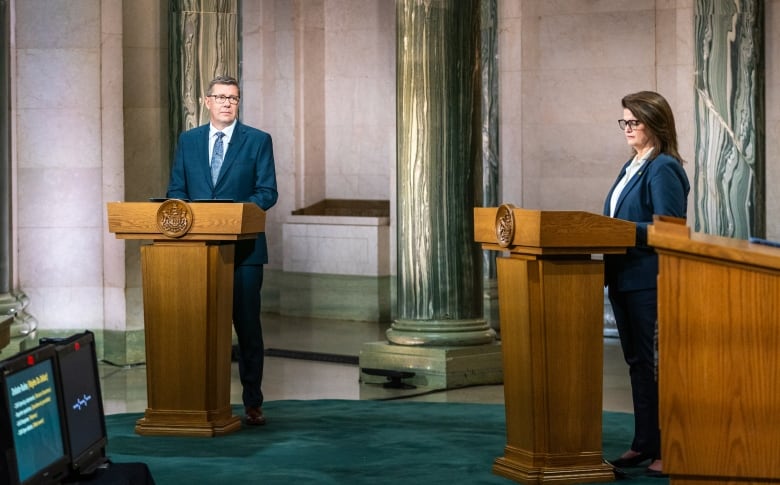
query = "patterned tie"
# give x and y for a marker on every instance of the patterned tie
(216, 157)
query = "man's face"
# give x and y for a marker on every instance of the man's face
(224, 114)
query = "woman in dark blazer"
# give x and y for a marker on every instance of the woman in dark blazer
(651, 182)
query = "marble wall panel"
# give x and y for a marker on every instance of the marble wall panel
(576, 60)
(336, 247)
(270, 97)
(729, 185)
(58, 24)
(145, 23)
(58, 180)
(359, 98)
(66, 308)
(115, 307)
(310, 114)
(57, 78)
(569, 7)
(146, 153)
(59, 138)
(60, 257)
(592, 40)
(60, 197)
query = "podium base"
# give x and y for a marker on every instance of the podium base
(148, 426)
(521, 473)
(553, 474)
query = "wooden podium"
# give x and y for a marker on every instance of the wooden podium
(187, 292)
(551, 299)
(719, 361)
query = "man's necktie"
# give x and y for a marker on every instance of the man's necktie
(216, 157)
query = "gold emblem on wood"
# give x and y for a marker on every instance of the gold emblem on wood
(174, 218)
(505, 225)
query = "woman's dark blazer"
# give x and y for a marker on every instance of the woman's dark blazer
(247, 175)
(659, 187)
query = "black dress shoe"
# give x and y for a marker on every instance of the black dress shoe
(634, 461)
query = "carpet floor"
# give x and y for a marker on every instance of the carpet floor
(343, 442)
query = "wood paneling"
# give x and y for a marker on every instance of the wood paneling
(719, 336)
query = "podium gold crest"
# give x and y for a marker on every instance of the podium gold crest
(505, 225)
(174, 218)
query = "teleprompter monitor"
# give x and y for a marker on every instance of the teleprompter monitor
(32, 440)
(85, 425)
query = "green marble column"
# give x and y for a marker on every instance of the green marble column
(203, 43)
(729, 186)
(490, 145)
(7, 302)
(440, 334)
(440, 297)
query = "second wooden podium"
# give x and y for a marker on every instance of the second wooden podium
(551, 297)
(718, 341)
(187, 292)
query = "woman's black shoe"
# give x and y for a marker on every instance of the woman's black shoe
(655, 473)
(634, 461)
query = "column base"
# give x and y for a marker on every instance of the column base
(441, 333)
(124, 347)
(5, 330)
(435, 367)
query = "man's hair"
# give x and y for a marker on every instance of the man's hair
(230, 81)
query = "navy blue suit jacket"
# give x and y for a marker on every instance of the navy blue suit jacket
(247, 175)
(659, 187)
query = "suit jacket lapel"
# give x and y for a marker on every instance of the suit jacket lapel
(631, 183)
(608, 201)
(202, 162)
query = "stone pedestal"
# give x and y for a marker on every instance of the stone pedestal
(5, 330)
(434, 367)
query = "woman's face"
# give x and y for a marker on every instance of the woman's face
(638, 138)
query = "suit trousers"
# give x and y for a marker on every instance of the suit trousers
(247, 282)
(636, 316)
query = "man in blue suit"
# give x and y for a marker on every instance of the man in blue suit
(226, 159)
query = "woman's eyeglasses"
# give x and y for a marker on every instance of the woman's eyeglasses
(632, 123)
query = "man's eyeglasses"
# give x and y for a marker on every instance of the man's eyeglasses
(221, 98)
(632, 123)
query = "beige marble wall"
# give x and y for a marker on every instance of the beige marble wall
(59, 148)
(359, 98)
(113, 170)
(319, 76)
(145, 131)
(564, 66)
(89, 119)
(270, 100)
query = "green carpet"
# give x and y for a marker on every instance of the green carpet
(343, 442)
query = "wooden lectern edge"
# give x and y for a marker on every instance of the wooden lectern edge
(189, 237)
(137, 220)
(549, 251)
(554, 238)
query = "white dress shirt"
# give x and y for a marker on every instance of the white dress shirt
(632, 169)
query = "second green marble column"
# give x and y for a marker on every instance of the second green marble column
(439, 266)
